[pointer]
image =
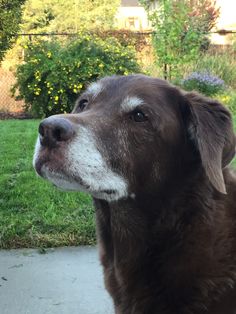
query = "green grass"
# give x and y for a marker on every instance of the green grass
(33, 213)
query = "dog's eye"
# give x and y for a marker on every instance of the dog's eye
(138, 116)
(82, 104)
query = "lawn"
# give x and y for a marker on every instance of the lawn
(33, 213)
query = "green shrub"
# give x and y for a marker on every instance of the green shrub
(53, 73)
(205, 83)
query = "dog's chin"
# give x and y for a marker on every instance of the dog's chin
(66, 183)
(61, 180)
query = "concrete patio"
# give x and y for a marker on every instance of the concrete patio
(62, 281)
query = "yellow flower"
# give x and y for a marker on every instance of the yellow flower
(37, 91)
(224, 98)
(49, 54)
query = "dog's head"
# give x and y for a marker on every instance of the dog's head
(132, 134)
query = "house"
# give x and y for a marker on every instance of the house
(131, 15)
(226, 21)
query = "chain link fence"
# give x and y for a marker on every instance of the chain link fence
(7, 101)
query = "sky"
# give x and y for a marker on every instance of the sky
(228, 13)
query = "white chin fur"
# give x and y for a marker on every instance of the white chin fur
(69, 184)
(60, 180)
(36, 151)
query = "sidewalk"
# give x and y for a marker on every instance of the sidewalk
(62, 281)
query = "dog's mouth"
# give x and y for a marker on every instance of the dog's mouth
(109, 192)
(59, 177)
(66, 182)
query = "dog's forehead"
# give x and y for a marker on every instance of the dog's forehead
(110, 86)
(122, 86)
(129, 92)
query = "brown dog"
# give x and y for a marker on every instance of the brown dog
(154, 159)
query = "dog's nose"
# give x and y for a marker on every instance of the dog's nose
(54, 130)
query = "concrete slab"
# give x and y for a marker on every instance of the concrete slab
(62, 281)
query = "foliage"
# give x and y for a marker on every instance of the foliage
(206, 12)
(229, 100)
(10, 16)
(68, 16)
(54, 74)
(125, 37)
(59, 16)
(205, 83)
(179, 32)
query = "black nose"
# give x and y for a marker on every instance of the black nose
(54, 130)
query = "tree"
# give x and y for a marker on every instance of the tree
(10, 16)
(180, 30)
(68, 16)
(56, 16)
(206, 12)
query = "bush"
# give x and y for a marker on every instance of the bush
(219, 64)
(205, 83)
(54, 73)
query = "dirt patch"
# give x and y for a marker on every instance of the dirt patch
(14, 115)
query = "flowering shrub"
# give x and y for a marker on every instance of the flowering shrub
(54, 74)
(203, 82)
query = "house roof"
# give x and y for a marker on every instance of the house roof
(130, 3)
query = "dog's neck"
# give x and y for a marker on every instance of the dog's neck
(188, 244)
(149, 218)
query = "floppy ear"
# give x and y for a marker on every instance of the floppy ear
(210, 127)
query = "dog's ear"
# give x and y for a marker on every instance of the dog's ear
(209, 125)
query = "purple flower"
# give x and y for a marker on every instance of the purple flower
(203, 82)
